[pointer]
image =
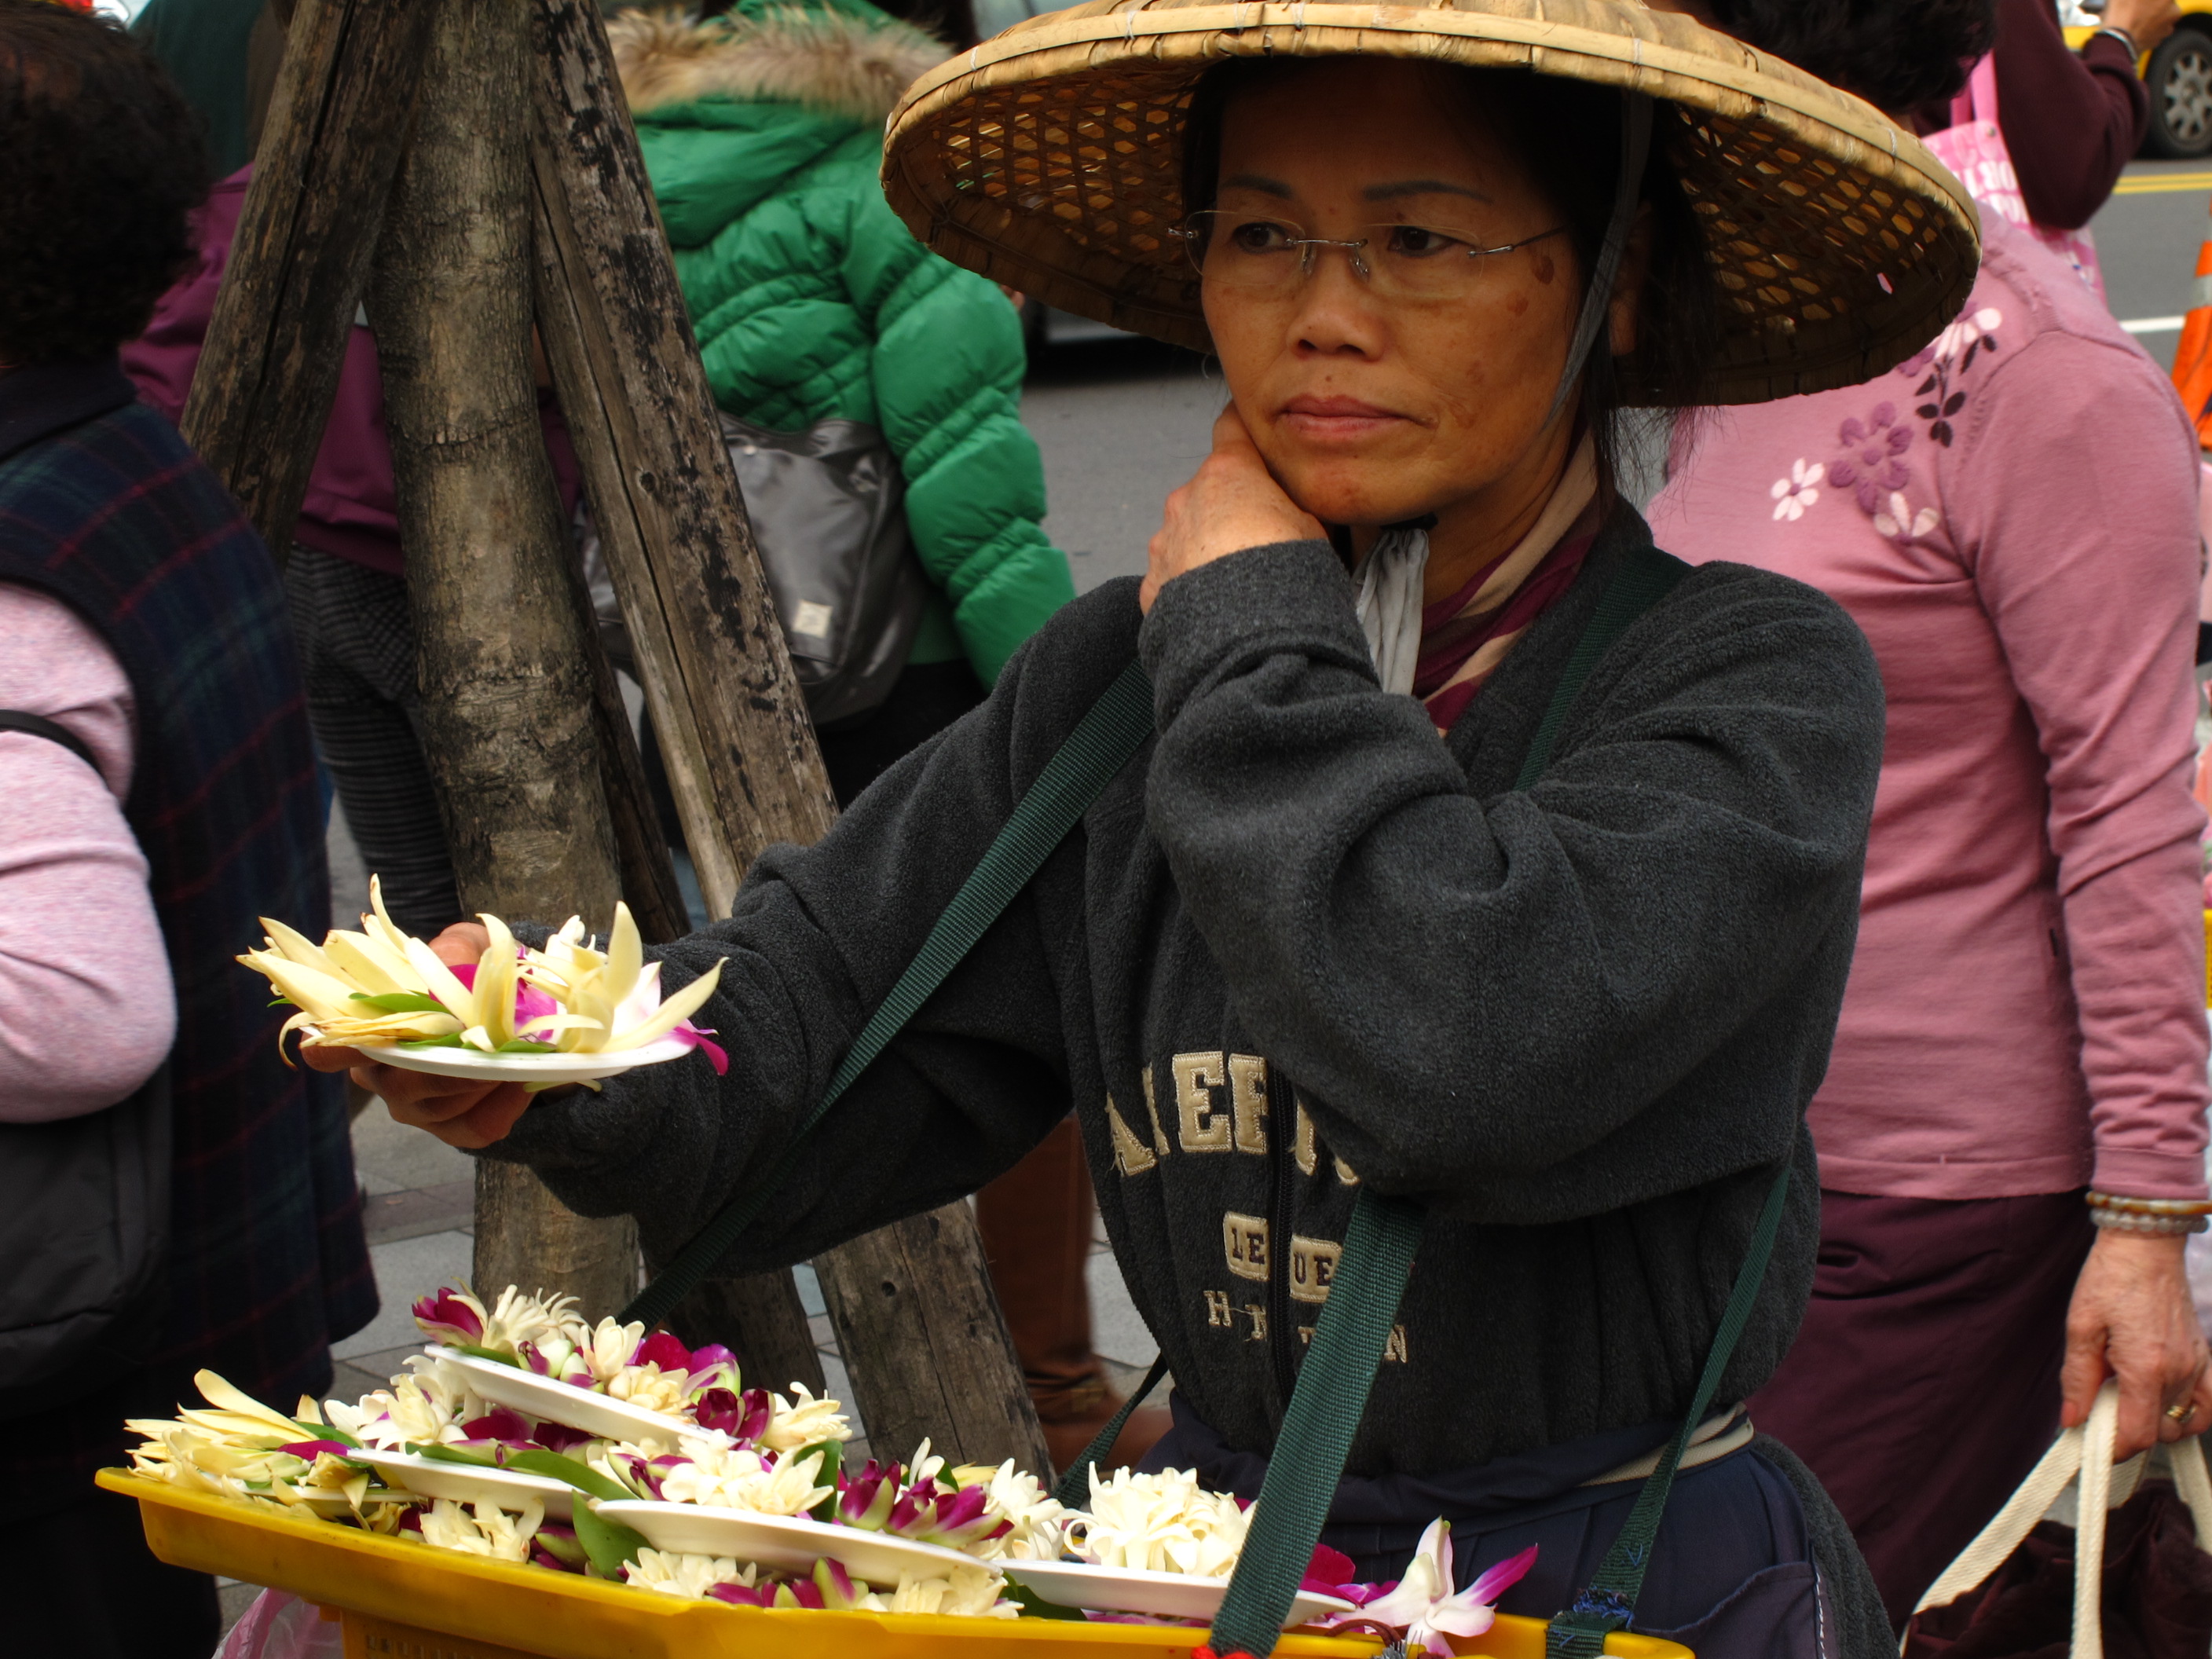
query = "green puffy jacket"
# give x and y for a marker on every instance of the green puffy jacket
(763, 135)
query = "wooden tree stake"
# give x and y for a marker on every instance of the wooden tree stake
(269, 367)
(508, 709)
(927, 1352)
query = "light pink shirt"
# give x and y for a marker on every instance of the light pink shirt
(87, 1008)
(2012, 517)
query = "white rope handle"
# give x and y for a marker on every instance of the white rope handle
(2085, 1455)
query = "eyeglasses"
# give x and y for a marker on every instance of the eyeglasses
(1269, 258)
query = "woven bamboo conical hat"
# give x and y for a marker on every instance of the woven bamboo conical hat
(1049, 158)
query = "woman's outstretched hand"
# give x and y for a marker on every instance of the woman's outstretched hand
(1231, 503)
(458, 1110)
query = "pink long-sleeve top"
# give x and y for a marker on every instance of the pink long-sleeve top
(87, 1008)
(2011, 517)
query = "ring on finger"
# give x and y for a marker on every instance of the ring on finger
(2181, 1411)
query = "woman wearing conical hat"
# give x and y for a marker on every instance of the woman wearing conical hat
(1318, 939)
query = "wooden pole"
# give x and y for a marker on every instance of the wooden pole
(270, 368)
(926, 1349)
(509, 716)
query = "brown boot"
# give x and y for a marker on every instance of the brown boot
(1035, 1221)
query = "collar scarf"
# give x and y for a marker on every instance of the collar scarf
(1443, 653)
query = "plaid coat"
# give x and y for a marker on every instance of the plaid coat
(104, 506)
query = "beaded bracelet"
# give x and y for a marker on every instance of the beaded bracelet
(2124, 1221)
(2150, 1206)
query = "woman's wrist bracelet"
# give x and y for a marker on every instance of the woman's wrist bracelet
(2122, 36)
(2123, 1221)
(2163, 1206)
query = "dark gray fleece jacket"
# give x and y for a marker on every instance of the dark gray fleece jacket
(1303, 942)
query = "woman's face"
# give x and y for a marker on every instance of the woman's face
(1372, 407)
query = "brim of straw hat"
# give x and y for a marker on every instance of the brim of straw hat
(1049, 159)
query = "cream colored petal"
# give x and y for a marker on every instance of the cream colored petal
(676, 1008)
(323, 995)
(625, 954)
(296, 946)
(439, 981)
(365, 968)
(495, 972)
(227, 1397)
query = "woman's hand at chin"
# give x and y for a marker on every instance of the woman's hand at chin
(458, 1110)
(1231, 503)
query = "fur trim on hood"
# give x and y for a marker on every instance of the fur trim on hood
(826, 59)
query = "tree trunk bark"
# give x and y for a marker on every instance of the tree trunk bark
(508, 711)
(270, 368)
(919, 1329)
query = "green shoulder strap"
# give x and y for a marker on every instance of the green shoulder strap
(1331, 1394)
(1102, 743)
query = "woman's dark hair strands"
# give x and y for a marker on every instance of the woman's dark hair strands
(1567, 134)
(1896, 54)
(104, 164)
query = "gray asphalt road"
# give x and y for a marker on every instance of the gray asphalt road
(1122, 422)
(2148, 238)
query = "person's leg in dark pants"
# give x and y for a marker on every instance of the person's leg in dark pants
(357, 654)
(1924, 1384)
(79, 1583)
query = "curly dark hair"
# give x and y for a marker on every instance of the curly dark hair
(1896, 54)
(105, 162)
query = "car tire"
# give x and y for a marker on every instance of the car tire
(2179, 81)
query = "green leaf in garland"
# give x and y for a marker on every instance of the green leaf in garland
(494, 1354)
(553, 1465)
(327, 1432)
(525, 1046)
(1033, 1606)
(607, 1544)
(453, 1454)
(400, 1002)
(833, 1458)
(454, 1042)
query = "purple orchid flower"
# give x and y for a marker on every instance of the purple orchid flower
(929, 1515)
(665, 1352)
(739, 1597)
(557, 1547)
(743, 1417)
(503, 1425)
(559, 1437)
(865, 1500)
(308, 1450)
(713, 1367)
(834, 1586)
(695, 1037)
(804, 1594)
(448, 1319)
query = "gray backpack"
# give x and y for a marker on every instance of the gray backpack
(84, 1227)
(828, 509)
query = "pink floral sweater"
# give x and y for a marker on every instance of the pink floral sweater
(2011, 516)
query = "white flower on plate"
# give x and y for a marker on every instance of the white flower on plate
(1163, 1523)
(738, 1478)
(1799, 490)
(483, 1529)
(427, 1407)
(606, 1352)
(807, 1422)
(1897, 521)
(650, 1387)
(965, 1593)
(689, 1577)
(1038, 1519)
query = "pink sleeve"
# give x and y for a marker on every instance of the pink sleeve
(87, 1008)
(2075, 512)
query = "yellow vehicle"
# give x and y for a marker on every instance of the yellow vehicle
(2178, 74)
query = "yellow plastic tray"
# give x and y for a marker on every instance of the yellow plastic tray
(406, 1601)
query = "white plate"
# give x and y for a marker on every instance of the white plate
(791, 1543)
(467, 1483)
(526, 1068)
(1132, 1589)
(543, 1398)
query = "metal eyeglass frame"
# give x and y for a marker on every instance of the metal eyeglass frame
(1306, 245)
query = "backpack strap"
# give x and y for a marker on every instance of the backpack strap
(1331, 1394)
(38, 726)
